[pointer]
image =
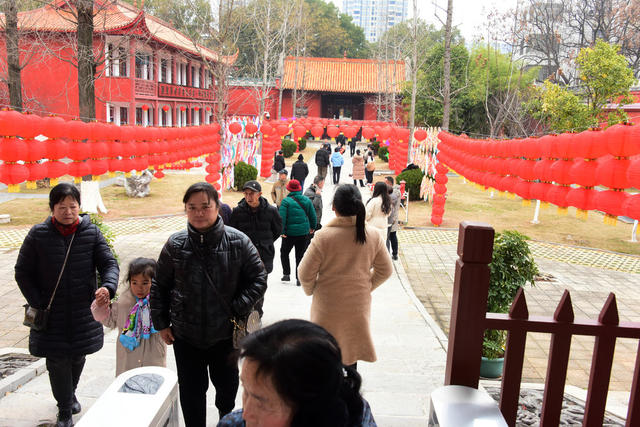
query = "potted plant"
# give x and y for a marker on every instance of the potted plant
(512, 267)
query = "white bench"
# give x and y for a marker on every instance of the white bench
(461, 406)
(117, 408)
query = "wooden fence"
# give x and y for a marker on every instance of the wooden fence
(469, 320)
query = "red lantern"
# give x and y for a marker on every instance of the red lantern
(557, 195)
(420, 134)
(57, 169)
(266, 128)
(317, 131)
(37, 170)
(251, 128)
(583, 173)
(235, 128)
(299, 131)
(581, 198)
(332, 131)
(633, 174)
(436, 220)
(611, 202)
(367, 133)
(612, 172)
(632, 207)
(144, 107)
(282, 130)
(619, 141)
(560, 172)
(165, 108)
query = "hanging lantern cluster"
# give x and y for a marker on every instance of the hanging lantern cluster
(558, 169)
(270, 144)
(31, 148)
(440, 189)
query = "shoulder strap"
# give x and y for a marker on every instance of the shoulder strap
(66, 257)
(302, 207)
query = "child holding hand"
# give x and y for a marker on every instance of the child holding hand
(139, 344)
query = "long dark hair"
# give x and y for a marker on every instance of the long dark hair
(381, 189)
(347, 201)
(304, 364)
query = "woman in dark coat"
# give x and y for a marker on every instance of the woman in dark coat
(278, 162)
(300, 170)
(71, 331)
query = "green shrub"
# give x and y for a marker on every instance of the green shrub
(109, 236)
(512, 266)
(302, 143)
(383, 153)
(242, 173)
(376, 146)
(288, 148)
(413, 179)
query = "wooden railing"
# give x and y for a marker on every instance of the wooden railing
(469, 320)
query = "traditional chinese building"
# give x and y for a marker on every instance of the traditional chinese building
(358, 89)
(147, 73)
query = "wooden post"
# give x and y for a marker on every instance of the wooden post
(469, 305)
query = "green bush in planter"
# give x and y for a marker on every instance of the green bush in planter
(288, 148)
(383, 153)
(413, 179)
(512, 266)
(302, 143)
(242, 173)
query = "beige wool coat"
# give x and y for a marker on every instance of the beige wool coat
(375, 217)
(150, 352)
(358, 167)
(340, 274)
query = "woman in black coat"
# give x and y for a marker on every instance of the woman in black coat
(71, 332)
(278, 162)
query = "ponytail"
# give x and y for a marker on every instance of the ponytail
(361, 235)
(350, 395)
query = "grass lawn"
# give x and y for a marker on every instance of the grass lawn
(467, 202)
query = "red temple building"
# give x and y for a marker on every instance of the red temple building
(148, 73)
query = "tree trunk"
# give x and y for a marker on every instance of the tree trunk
(446, 90)
(414, 73)
(13, 54)
(86, 61)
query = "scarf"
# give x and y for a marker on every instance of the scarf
(65, 230)
(138, 326)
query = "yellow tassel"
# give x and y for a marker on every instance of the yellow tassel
(53, 182)
(544, 205)
(582, 214)
(127, 174)
(77, 179)
(511, 196)
(13, 188)
(562, 210)
(95, 177)
(111, 174)
(31, 185)
(526, 202)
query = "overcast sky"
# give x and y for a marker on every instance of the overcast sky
(468, 15)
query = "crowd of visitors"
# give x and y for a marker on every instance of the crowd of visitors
(215, 271)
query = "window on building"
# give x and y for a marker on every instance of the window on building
(122, 62)
(111, 114)
(144, 66)
(164, 70)
(139, 116)
(124, 116)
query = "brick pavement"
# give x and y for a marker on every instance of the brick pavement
(429, 263)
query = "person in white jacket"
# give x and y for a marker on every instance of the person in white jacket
(378, 209)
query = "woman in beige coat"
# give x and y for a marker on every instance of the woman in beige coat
(379, 208)
(138, 343)
(341, 283)
(358, 168)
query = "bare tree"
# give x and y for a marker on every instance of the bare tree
(14, 81)
(446, 92)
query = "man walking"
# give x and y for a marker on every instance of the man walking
(314, 193)
(336, 164)
(298, 222)
(322, 161)
(259, 220)
(279, 189)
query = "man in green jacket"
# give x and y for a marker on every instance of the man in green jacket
(298, 222)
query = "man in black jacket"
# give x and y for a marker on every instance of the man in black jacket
(206, 275)
(322, 161)
(259, 220)
(300, 170)
(314, 193)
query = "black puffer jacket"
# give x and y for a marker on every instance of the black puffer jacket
(278, 163)
(182, 296)
(322, 157)
(299, 170)
(71, 328)
(263, 227)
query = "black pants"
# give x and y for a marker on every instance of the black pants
(352, 150)
(392, 240)
(336, 174)
(195, 367)
(300, 243)
(64, 374)
(322, 171)
(361, 183)
(369, 175)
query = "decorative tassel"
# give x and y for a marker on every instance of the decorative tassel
(111, 174)
(77, 179)
(526, 202)
(13, 188)
(582, 214)
(562, 210)
(53, 182)
(544, 205)
(31, 185)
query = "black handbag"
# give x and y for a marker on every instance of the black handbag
(37, 318)
(242, 325)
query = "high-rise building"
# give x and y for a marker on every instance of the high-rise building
(376, 16)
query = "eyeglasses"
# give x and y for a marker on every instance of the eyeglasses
(195, 209)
